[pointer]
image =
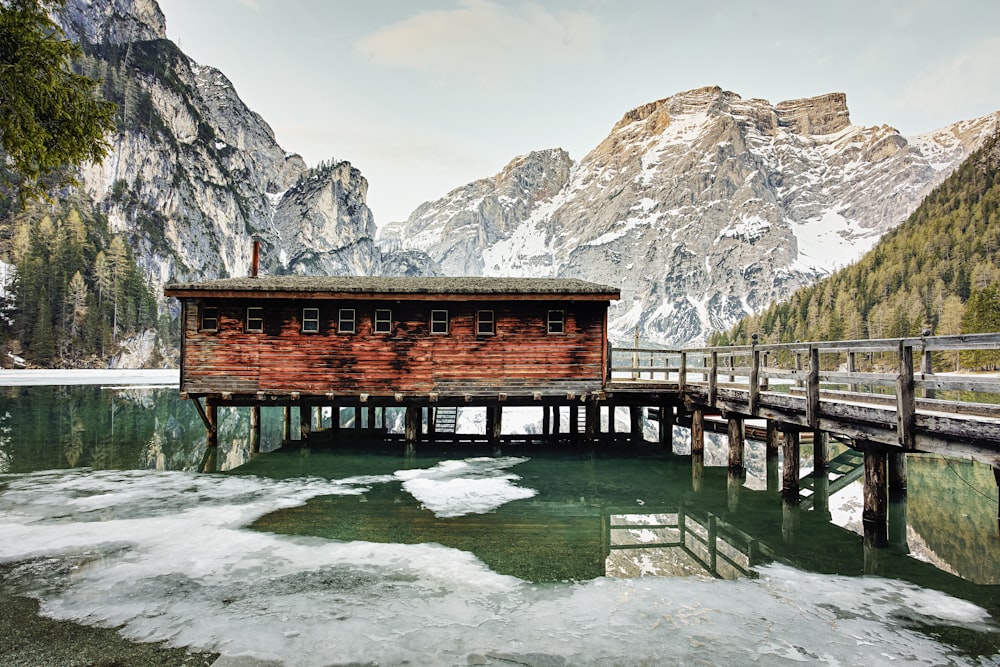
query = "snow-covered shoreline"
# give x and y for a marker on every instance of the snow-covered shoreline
(65, 376)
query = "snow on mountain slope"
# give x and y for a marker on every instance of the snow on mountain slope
(701, 207)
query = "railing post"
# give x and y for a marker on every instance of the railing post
(851, 368)
(713, 379)
(906, 408)
(682, 373)
(812, 388)
(754, 376)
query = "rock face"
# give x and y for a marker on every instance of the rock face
(702, 207)
(194, 173)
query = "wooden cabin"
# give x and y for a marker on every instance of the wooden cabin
(280, 338)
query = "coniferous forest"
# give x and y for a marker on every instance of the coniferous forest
(938, 272)
(76, 291)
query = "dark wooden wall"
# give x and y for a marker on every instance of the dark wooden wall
(409, 359)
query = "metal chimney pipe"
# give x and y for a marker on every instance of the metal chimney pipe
(255, 256)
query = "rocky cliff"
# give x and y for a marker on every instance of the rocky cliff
(194, 173)
(702, 207)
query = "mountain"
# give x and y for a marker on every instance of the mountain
(703, 207)
(938, 271)
(193, 172)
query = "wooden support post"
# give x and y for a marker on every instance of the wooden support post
(754, 379)
(771, 447)
(546, 421)
(698, 432)
(317, 419)
(736, 443)
(926, 368)
(821, 453)
(494, 426)
(574, 422)
(305, 420)
(286, 425)
(897, 476)
(713, 380)
(812, 388)
(851, 368)
(370, 415)
(412, 427)
(335, 419)
(667, 427)
(697, 470)
(611, 419)
(254, 429)
(996, 476)
(212, 431)
(790, 466)
(897, 523)
(734, 484)
(556, 417)
(906, 405)
(382, 417)
(431, 425)
(357, 417)
(874, 517)
(635, 424)
(592, 423)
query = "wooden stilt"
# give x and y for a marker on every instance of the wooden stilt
(874, 516)
(667, 428)
(790, 516)
(635, 425)
(212, 432)
(697, 470)
(305, 421)
(254, 429)
(286, 424)
(611, 420)
(790, 466)
(412, 427)
(897, 475)
(771, 445)
(546, 421)
(996, 476)
(357, 418)
(821, 452)
(736, 443)
(574, 422)
(495, 426)
(698, 432)
(734, 485)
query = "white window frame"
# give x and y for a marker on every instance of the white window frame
(556, 322)
(310, 320)
(486, 323)
(382, 321)
(257, 318)
(203, 315)
(347, 321)
(439, 317)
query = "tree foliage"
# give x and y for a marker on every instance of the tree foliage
(77, 290)
(49, 115)
(939, 271)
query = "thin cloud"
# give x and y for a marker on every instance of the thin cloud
(971, 76)
(483, 39)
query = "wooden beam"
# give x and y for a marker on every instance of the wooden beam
(874, 517)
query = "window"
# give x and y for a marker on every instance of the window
(310, 320)
(255, 319)
(346, 321)
(485, 323)
(557, 321)
(439, 322)
(383, 321)
(209, 318)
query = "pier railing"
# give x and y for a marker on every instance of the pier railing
(928, 376)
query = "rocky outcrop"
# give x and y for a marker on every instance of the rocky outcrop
(193, 173)
(702, 207)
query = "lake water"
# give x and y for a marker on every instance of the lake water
(329, 558)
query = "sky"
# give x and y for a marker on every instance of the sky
(426, 96)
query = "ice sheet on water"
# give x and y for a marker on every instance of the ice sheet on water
(472, 486)
(170, 559)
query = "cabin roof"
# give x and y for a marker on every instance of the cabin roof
(355, 287)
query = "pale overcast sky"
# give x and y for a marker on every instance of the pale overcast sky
(424, 96)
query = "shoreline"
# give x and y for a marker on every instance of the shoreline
(18, 377)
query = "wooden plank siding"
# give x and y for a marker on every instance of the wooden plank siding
(283, 359)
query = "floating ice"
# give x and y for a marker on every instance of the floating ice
(472, 486)
(166, 556)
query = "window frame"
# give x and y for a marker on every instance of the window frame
(260, 318)
(435, 320)
(310, 320)
(556, 316)
(203, 315)
(490, 321)
(386, 321)
(341, 319)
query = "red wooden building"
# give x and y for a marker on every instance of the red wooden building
(281, 340)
